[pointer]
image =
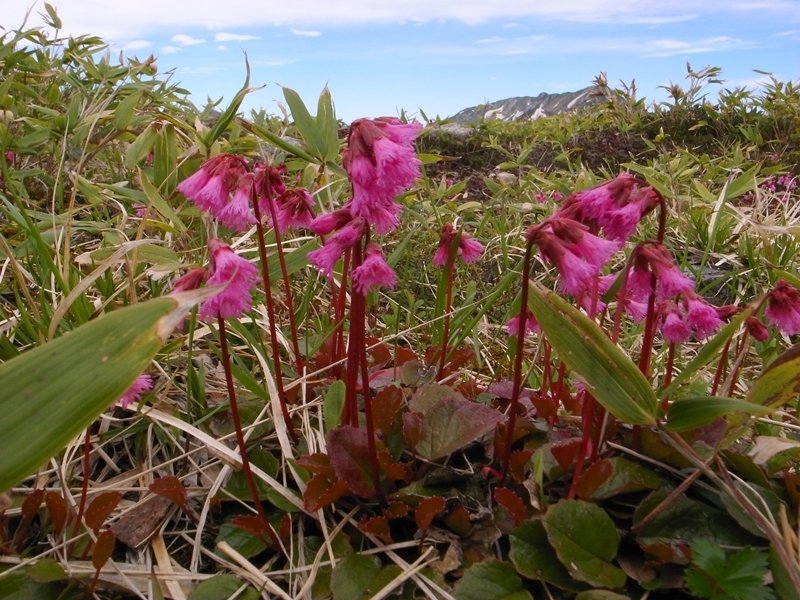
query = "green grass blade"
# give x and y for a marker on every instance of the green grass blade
(689, 413)
(608, 373)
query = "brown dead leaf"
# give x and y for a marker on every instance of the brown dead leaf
(137, 526)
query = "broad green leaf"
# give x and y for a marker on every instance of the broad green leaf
(611, 476)
(237, 484)
(46, 570)
(18, 586)
(123, 113)
(534, 557)
(358, 576)
(491, 581)
(158, 202)
(707, 353)
(586, 541)
(55, 20)
(327, 124)
(53, 392)
(278, 141)
(689, 413)
(141, 146)
(165, 160)
(779, 382)
(222, 587)
(606, 371)
(782, 578)
(306, 125)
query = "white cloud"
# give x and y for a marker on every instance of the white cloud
(222, 47)
(668, 47)
(186, 40)
(306, 33)
(169, 49)
(782, 33)
(136, 44)
(116, 20)
(233, 37)
(492, 40)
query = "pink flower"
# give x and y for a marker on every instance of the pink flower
(143, 384)
(469, 248)
(540, 197)
(373, 272)
(268, 185)
(531, 324)
(595, 250)
(445, 245)
(237, 214)
(240, 276)
(212, 185)
(326, 257)
(783, 307)
(295, 208)
(673, 327)
(190, 281)
(701, 316)
(655, 258)
(10, 156)
(330, 222)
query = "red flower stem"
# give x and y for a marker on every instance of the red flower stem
(448, 301)
(286, 283)
(341, 302)
(720, 368)
(359, 324)
(87, 449)
(517, 378)
(587, 411)
(237, 424)
(354, 344)
(273, 332)
(737, 363)
(668, 374)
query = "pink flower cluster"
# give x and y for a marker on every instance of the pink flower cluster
(578, 255)
(531, 324)
(654, 259)
(381, 164)
(614, 207)
(225, 268)
(225, 188)
(469, 249)
(783, 307)
(690, 314)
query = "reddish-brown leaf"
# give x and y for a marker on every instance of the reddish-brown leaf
(378, 526)
(546, 406)
(458, 520)
(412, 428)
(565, 452)
(394, 470)
(517, 462)
(252, 524)
(403, 354)
(379, 352)
(512, 503)
(396, 510)
(317, 463)
(171, 488)
(100, 508)
(31, 504)
(427, 511)
(458, 359)
(385, 406)
(321, 491)
(59, 512)
(103, 548)
(348, 450)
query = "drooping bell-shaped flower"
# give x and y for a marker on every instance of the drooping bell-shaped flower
(210, 188)
(701, 316)
(531, 324)
(294, 209)
(373, 272)
(655, 259)
(142, 385)
(673, 326)
(239, 275)
(783, 307)
(326, 257)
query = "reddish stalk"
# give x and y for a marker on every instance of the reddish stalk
(448, 300)
(668, 374)
(286, 284)
(720, 368)
(273, 332)
(587, 412)
(237, 424)
(517, 378)
(341, 301)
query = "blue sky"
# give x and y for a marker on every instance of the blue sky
(378, 57)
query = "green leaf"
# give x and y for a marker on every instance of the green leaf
(737, 577)
(781, 578)
(689, 413)
(123, 113)
(158, 202)
(779, 382)
(55, 21)
(586, 541)
(307, 127)
(491, 581)
(534, 557)
(53, 392)
(222, 587)
(141, 146)
(46, 570)
(611, 476)
(226, 117)
(165, 160)
(327, 124)
(358, 576)
(608, 374)
(17, 586)
(333, 405)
